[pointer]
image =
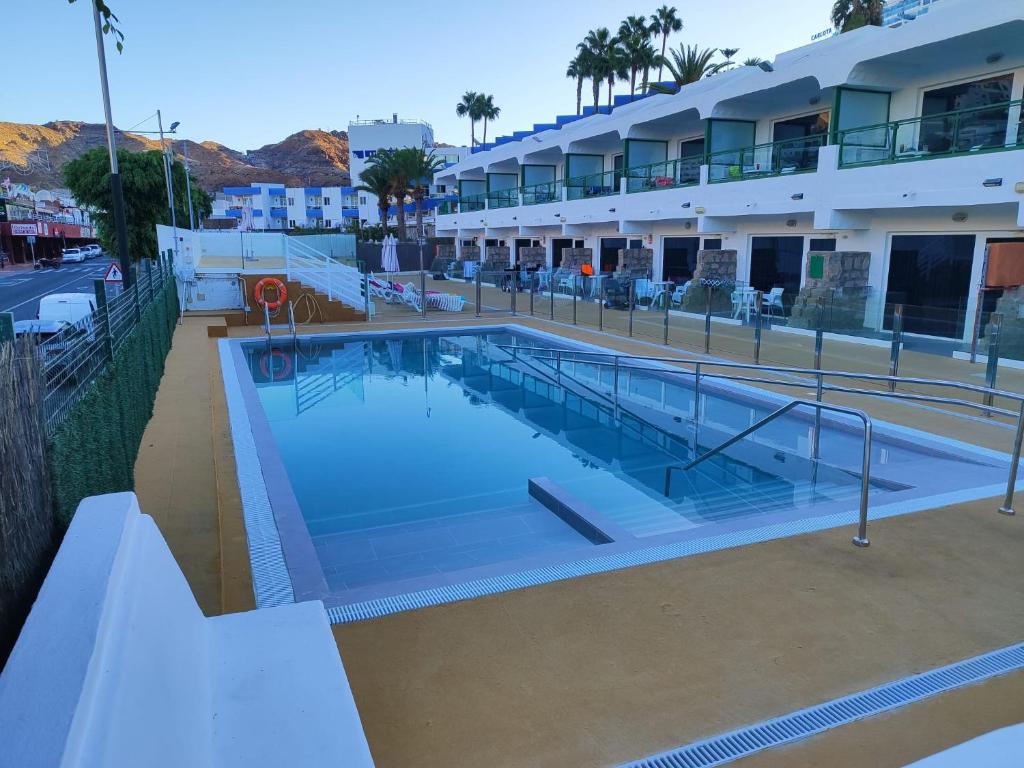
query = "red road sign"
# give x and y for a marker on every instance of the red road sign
(113, 274)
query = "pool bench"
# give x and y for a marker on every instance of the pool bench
(117, 666)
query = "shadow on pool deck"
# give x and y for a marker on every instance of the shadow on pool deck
(599, 670)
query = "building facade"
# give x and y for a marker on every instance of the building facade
(904, 146)
(40, 222)
(268, 207)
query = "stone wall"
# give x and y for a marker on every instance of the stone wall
(496, 257)
(719, 268)
(574, 258)
(470, 253)
(633, 261)
(533, 257)
(843, 284)
(445, 251)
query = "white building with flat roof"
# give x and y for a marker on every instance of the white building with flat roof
(265, 206)
(902, 145)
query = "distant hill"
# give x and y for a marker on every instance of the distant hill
(36, 155)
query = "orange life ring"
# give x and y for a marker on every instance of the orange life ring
(282, 293)
(269, 368)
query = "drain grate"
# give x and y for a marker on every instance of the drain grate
(727, 747)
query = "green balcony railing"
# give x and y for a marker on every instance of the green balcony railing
(469, 203)
(503, 198)
(681, 172)
(545, 192)
(446, 206)
(991, 128)
(777, 158)
(594, 185)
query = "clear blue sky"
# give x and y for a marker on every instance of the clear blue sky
(249, 72)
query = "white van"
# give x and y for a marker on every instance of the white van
(67, 307)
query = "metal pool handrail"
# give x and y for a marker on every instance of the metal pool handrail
(861, 539)
(820, 374)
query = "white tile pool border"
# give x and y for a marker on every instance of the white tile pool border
(272, 582)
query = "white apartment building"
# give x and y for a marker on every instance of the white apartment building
(264, 206)
(895, 11)
(367, 137)
(905, 144)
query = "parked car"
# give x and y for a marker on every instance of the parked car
(73, 255)
(92, 251)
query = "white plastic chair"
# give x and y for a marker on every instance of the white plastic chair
(773, 300)
(679, 292)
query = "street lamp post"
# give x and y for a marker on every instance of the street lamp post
(188, 187)
(116, 191)
(168, 171)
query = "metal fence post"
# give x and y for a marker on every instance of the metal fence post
(897, 342)
(575, 287)
(707, 319)
(551, 292)
(995, 328)
(600, 302)
(103, 309)
(665, 297)
(6, 326)
(135, 293)
(149, 281)
(366, 295)
(819, 338)
(615, 385)
(533, 289)
(423, 279)
(1007, 508)
(631, 298)
(478, 278)
(513, 289)
(758, 299)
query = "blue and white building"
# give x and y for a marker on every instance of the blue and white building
(905, 144)
(264, 206)
(895, 11)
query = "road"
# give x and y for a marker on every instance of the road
(20, 290)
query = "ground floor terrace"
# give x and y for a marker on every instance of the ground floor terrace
(610, 668)
(941, 266)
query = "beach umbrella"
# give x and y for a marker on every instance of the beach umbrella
(389, 254)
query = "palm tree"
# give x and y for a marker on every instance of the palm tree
(469, 107)
(396, 167)
(649, 58)
(688, 64)
(848, 15)
(596, 45)
(377, 181)
(577, 70)
(616, 65)
(418, 168)
(487, 111)
(664, 22)
(728, 53)
(753, 61)
(633, 35)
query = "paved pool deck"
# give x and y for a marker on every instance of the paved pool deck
(613, 667)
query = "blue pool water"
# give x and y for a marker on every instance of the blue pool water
(409, 458)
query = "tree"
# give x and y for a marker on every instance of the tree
(633, 36)
(664, 22)
(753, 61)
(109, 22)
(728, 53)
(577, 70)
(145, 196)
(595, 48)
(848, 15)
(649, 58)
(376, 179)
(487, 111)
(616, 65)
(469, 107)
(418, 167)
(394, 166)
(687, 65)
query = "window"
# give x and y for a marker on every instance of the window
(578, 244)
(291, 223)
(712, 243)
(930, 276)
(327, 223)
(822, 244)
(776, 262)
(441, 189)
(327, 201)
(981, 128)
(679, 258)
(362, 199)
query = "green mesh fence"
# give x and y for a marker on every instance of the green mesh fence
(94, 449)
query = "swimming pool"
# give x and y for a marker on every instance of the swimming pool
(391, 471)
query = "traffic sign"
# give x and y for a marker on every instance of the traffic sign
(31, 239)
(113, 274)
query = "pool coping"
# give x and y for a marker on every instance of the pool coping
(272, 555)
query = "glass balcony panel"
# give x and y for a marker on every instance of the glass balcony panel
(468, 203)
(669, 174)
(503, 198)
(545, 192)
(594, 185)
(775, 159)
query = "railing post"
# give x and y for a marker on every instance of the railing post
(7, 326)
(558, 367)
(615, 385)
(149, 280)
(995, 328)
(533, 289)
(513, 288)
(330, 279)
(819, 338)
(758, 299)
(666, 298)
(707, 319)
(574, 289)
(631, 298)
(897, 342)
(861, 539)
(600, 307)
(696, 392)
(135, 293)
(479, 271)
(1007, 508)
(366, 295)
(551, 292)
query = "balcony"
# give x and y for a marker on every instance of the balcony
(993, 128)
(682, 172)
(594, 185)
(279, 213)
(777, 158)
(468, 203)
(545, 192)
(503, 198)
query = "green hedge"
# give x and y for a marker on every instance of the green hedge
(94, 450)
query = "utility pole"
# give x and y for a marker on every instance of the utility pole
(188, 187)
(116, 191)
(169, 169)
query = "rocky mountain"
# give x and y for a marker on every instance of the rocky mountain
(36, 155)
